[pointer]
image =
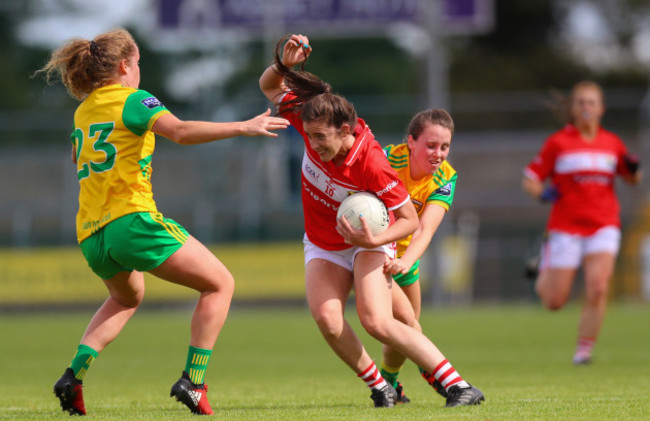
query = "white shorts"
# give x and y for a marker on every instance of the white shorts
(343, 258)
(564, 250)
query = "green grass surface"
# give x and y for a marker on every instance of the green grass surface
(273, 365)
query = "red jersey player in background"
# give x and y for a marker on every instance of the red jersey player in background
(342, 157)
(581, 161)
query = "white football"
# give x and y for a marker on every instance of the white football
(370, 206)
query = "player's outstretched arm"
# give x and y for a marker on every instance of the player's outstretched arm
(195, 132)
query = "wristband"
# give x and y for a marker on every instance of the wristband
(550, 194)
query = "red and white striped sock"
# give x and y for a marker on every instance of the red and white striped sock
(372, 377)
(448, 376)
(584, 347)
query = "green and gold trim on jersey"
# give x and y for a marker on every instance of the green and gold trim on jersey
(437, 188)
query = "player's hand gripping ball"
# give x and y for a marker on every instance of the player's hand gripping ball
(370, 206)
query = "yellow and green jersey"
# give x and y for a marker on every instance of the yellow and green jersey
(114, 145)
(437, 188)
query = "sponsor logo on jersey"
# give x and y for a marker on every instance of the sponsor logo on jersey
(312, 173)
(388, 188)
(601, 179)
(151, 102)
(319, 197)
(444, 190)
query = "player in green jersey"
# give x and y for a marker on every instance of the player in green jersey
(119, 228)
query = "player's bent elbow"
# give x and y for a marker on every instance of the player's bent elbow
(172, 128)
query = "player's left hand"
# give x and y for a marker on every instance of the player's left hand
(296, 50)
(395, 267)
(355, 237)
(549, 194)
(632, 163)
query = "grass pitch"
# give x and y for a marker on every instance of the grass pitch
(273, 365)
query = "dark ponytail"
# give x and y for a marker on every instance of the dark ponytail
(304, 85)
(313, 96)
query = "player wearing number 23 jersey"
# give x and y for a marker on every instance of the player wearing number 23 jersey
(120, 232)
(113, 141)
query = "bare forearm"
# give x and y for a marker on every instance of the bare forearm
(417, 247)
(401, 228)
(196, 132)
(272, 83)
(534, 188)
(430, 220)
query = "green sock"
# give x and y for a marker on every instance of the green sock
(197, 363)
(81, 362)
(390, 373)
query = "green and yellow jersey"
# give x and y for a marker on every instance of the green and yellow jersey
(114, 145)
(437, 188)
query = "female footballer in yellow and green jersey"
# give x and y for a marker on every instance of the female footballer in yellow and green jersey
(120, 231)
(421, 164)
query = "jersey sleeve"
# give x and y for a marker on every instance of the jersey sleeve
(387, 149)
(141, 110)
(444, 195)
(542, 165)
(291, 114)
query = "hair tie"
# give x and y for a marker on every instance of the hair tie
(93, 47)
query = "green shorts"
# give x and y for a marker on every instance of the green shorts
(412, 276)
(138, 241)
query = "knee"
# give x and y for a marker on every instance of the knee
(222, 282)
(376, 326)
(131, 301)
(550, 300)
(227, 283)
(330, 323)
(553, 304)
(408, 318)
(598, 293)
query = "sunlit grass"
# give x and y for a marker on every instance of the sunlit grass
(273, 365)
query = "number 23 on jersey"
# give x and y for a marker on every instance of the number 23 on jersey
(103, 158)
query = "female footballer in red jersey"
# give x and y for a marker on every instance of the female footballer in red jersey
(119, 229)
(341, 157)
(581, 160)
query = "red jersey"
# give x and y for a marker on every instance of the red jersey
(325, 185)
(583, 173)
